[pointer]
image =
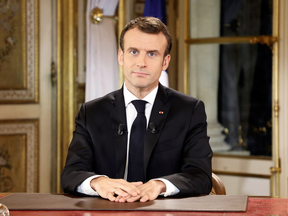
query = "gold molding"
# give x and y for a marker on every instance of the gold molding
(59, 82)
(263, 39)
(218, 172)
(66, 79)
(36, 56)
(186, 47)
(24, 43)
(243, 156)
(121, 24)
(275, 102)
(29, 128)
(30, 25)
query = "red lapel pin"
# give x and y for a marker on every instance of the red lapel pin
(161, 112)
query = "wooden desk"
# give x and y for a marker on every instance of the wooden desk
(256, 206)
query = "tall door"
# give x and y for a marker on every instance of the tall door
(25, 96)
(229, 54)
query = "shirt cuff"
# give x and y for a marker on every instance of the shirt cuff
(171, 189)
(85, 187)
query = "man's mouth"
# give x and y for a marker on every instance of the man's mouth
(139, 73)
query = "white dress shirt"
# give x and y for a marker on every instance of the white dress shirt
(131, 114)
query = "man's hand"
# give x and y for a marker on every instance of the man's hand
(148, 191)
(107, 188)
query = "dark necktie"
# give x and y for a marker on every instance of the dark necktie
(136, 146)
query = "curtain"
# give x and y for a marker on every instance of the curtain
(102, 74)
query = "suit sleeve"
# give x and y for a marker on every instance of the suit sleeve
(195, 177)
(79, 161)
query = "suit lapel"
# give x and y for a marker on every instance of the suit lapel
(118, 116)
(158, 116)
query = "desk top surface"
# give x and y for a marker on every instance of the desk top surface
(255, 206)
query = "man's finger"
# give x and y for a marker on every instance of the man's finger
(119, 192)
(111, 197)
(145, 198)
(123, 199)
(137, 184)
(133, 199)
(130, 189)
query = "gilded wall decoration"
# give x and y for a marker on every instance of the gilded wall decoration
(19, 160)
(19, 51)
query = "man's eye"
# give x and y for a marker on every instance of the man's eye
(134, 52)
(151, 54)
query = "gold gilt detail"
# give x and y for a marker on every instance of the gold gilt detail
(276, 109)
(275, 169)
(97, 16)
(268, 40)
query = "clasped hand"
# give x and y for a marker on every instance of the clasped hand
(119, 190)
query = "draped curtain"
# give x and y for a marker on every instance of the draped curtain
(102, 74)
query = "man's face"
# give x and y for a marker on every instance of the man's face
(142, 59)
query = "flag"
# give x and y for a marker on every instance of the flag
(157, 8)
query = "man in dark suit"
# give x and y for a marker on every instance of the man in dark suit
(175, 154)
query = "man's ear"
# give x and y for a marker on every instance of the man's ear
(120, 57)
(166, 61)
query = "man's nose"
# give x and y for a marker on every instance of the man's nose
(141, 61)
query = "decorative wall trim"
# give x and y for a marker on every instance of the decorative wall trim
(30, 130)
(66, 79)
(29, 28)
(283, 100)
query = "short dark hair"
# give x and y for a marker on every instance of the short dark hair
(150, 25)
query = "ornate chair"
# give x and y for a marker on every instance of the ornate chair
(218, 187)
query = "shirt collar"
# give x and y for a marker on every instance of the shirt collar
(128, 96)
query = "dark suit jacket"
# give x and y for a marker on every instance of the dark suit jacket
(179, 151)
